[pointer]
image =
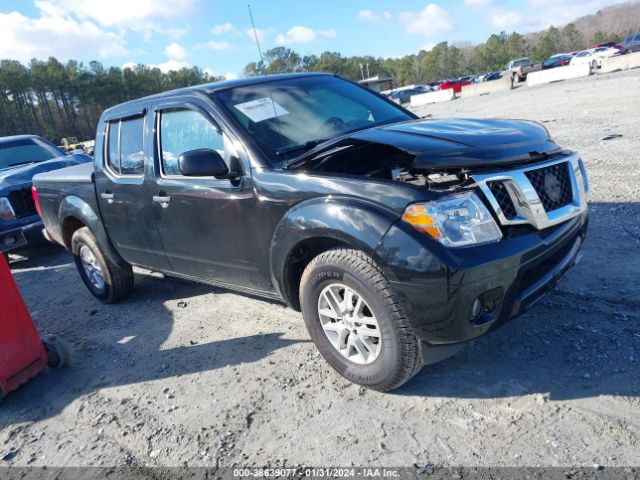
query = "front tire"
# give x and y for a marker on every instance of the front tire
(357, 322)
(107, 281)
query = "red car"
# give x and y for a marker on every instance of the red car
(455, 84)
(608, 44)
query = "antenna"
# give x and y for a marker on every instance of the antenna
(255, 33)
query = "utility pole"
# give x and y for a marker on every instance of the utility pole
(255, 34)
(361, 72)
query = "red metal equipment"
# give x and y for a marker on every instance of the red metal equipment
(22, 352)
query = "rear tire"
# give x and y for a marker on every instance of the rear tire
(107, 281)
(385, 365)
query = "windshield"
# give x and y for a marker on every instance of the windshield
(287, 117)
(26, 150)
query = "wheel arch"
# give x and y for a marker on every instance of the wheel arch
(316, 226)
(75, 213)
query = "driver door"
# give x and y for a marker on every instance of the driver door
(203, 220)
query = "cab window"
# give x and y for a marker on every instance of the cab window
(125, 151)
(184, 130)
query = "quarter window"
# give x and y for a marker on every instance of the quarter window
(182, 131)
(126, 151)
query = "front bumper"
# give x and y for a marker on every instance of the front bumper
(20, 236)
(508, 277)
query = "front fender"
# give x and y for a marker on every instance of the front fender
(353, 222)
(77, 208)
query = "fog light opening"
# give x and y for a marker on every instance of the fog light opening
(10, 241)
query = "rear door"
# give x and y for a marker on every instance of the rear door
(204, 223)
(121, 189)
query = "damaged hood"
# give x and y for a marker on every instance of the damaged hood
(448, 143)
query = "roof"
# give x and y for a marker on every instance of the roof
(17, 137)
(208, 88)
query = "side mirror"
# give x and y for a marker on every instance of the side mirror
(202, 162)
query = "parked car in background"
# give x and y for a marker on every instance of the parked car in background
(398, 238)
(608, 45)
(21, 157)
(631, 43)
(594, 57)
(404, 95)
(456, 85)
(560, 60)
(519, 69)
(491, 76)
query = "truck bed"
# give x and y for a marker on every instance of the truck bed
(64, 184)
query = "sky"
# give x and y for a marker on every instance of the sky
(216, 35)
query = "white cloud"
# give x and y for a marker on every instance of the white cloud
(371, 16)
(23, 38)
(216, 45)
(541, 14)
(171, 65)
(300, 34)
(223, 28)
(228, 75)
(130, 65)
(261, 33)
(331, 33)
(506, 20)
(175, 51)
(478, 3)
(118, 13)
(432, 21)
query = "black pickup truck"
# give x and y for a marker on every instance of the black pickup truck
(398, 238)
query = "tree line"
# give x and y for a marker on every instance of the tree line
(57, 100)
(443, 61)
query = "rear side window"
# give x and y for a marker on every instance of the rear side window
(182, 131)
(125, 154)
(637, 38)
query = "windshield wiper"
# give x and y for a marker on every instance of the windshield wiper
(303, 146)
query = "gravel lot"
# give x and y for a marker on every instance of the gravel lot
(186, 374)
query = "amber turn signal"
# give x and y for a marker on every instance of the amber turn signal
(416, 215)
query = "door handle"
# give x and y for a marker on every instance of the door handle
(107, 196)
(162, 200)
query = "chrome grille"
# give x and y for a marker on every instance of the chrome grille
(504, 200)
(540, 195)
(556, 178)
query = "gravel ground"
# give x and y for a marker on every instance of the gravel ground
(186, 374)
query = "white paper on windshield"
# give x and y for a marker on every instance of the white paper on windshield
(261, 109)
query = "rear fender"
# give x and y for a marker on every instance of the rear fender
(76, 208)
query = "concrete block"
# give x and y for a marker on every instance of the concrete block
(556, 74)
(621, 62)
(432, 97)
(476, 89)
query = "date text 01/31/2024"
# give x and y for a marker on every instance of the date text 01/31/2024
(316, 472)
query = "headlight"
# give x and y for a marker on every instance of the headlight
(6, 211)
(455, 220)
